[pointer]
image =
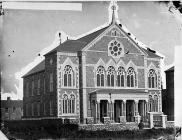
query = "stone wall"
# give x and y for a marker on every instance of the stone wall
(109, 127)
(170, 124)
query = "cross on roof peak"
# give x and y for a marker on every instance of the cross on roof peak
(114, 10)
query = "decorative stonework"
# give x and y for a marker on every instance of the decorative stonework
(115, 49)
(109, 127)
(90, 120)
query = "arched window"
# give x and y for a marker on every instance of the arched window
(155, 103)
(150, 103)
(131, 77)
(69, 104)
(110, 76)
(65, 104)
(68, 76)
(100, 76)
(152, 79)
(120, 77)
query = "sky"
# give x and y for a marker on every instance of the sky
(26, 33)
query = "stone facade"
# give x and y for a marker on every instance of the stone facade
(104, 77)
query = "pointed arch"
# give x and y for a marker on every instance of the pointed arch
(111, 63)
(152, 79)
(120, 76)
(68, 103)
(100, 76)
(111, 76)
(68, 76)
(131, 77)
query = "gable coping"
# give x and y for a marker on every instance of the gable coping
(89, 45)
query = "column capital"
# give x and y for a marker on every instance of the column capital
(136, 100)
(146, 100)
(124, 100)
(97, 101)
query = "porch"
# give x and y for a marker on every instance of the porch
(119, 107)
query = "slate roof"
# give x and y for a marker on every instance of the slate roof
(150, 54)
(38, 68)
(74, 46)
(119, 91)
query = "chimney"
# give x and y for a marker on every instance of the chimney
(8, 98)
(60, 37)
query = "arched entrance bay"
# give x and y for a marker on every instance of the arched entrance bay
(130, 110)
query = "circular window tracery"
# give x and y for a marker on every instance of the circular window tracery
(115, 48)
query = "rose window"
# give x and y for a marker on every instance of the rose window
(115, 48)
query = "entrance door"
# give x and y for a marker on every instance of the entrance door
(129, 110)
(103, 109)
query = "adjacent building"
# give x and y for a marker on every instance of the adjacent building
(168, 95)
(106, 74)
(11, 109)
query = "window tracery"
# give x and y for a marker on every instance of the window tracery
(110, 76)
(69, 104)
(100, 76)
(131, 77)
(68, 76)
(120, 77)
(152, 79)
(115, 48)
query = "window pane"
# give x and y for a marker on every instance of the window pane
(65, 79)
(73, 106)
(69, 79)
(66, 106)
(122, 80)
(118, 81)
(112, 80)
(102, 79)
(98, 80)
(132, 81)
(153, 82)
(108, 80)
(149, 82)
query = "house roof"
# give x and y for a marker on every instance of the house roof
(11, 103)
(150, 54)
(119, 91)
(170, 69)
(74, 46)
(39, 67)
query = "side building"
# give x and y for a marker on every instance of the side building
(168, 95)
(11, 109)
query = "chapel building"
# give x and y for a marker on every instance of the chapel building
(104, 75)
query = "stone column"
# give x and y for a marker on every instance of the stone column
(136, 107)
(123, 117)
(98, 111)
(147, 106)
(151, 120)
(143, 108)
(112, 111)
